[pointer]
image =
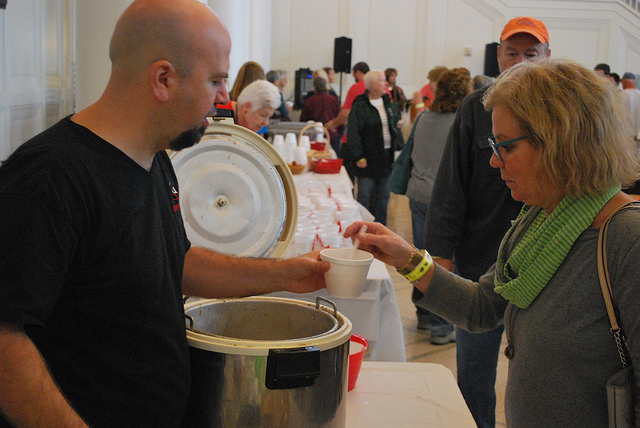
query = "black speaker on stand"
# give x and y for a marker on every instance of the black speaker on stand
(342, 58)
(491, 67)
(342, 55)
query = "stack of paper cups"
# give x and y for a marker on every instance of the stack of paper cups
(305, 143)
(278, 144)
(299, 155)
(290, 144)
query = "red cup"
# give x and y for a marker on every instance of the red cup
(355, 359)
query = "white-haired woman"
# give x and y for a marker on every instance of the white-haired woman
(256, 104)
(372, 137)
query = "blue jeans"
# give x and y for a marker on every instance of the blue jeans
(373, 194)
(439, 326)
(418, 219)
(477, 359)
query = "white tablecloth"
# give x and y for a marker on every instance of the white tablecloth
(406, 395)
(374, 315)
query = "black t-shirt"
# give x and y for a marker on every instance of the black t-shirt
(92, 249)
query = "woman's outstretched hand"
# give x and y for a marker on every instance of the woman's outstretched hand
(384, 244)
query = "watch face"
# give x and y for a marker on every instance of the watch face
(415, 259)
(420, 268)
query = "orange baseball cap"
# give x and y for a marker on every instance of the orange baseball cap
(526, 24)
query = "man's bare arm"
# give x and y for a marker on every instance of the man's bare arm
(28, 395)
(215, 275)
(339, 120)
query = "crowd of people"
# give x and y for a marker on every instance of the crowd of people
(511, 180)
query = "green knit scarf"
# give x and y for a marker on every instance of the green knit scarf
(535, 246)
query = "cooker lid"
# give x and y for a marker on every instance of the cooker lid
(237, 193)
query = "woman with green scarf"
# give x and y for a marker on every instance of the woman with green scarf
(561, 145)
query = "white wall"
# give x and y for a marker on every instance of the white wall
(95, 22)
(416, 35)
(39, 43)
(248, 22)
(22, 76)
(410, 35)
(35, 68)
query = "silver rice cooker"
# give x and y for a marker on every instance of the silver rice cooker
(258, 361)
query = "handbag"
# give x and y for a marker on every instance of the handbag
(620, 400)
(401, 171)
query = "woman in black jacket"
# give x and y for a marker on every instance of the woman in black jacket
(372, 137)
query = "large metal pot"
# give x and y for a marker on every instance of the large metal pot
(267, 362)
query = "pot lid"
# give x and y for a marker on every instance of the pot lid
(237, 193)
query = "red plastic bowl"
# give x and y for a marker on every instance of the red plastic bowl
(319, 146)
(355, 359)
(327, 166)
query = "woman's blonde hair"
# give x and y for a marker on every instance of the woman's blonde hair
(577, 121)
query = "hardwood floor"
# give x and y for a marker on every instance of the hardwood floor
(418, 347)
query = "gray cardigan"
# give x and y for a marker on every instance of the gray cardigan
(563, 352)
(429, 136)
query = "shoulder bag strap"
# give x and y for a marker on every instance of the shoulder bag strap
(605, 283)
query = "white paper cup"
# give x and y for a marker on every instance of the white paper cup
(303, 242)
(323, 218)
(329, 238)
(348, 271)
(300, 156)
(345, 216)
(330, 228)
(278, 144)
(307, 230)
(305, 143)
(290, 143)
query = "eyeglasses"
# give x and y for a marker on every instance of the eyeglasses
(494, 145)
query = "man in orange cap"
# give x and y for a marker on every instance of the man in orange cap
(471, 210)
